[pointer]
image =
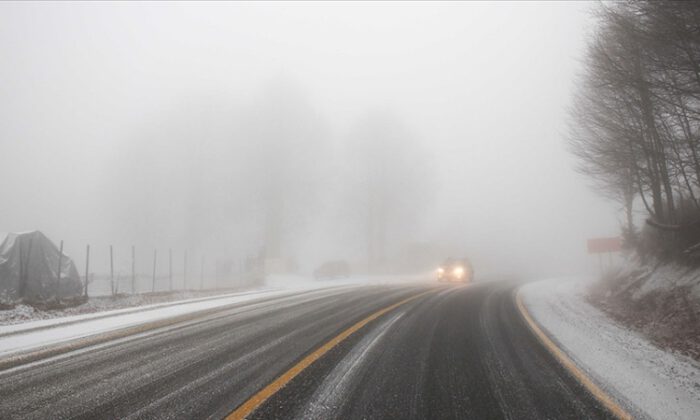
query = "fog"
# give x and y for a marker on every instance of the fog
(388, 135)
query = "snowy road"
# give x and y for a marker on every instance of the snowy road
(409, 351)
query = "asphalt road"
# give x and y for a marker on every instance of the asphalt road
(455, 352)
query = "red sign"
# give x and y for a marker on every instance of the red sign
(600, 245)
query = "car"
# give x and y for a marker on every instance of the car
(332, 270)
(455, 271)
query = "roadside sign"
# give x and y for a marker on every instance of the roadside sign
(603, 245)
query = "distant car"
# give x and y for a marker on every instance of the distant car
(455, 271)
(332, 270)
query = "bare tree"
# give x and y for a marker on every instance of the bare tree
(636, 118)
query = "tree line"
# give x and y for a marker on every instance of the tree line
(636, 115)
(268, 176)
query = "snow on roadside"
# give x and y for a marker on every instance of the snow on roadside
(59, 333)
(26, 313)
(19, 337)
(30, 335)
(105, 305)
(647, 276)
(41, 320)
(13, 342)
(656, 383)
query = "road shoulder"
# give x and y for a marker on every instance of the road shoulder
(651, 382)
(31, 344)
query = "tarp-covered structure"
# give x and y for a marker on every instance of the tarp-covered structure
(29, 270)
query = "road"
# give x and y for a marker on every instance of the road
(451, 352)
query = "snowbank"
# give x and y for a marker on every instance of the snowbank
(649, 381)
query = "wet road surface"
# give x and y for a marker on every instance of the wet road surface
(454, 352)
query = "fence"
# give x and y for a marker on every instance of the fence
(165, 271)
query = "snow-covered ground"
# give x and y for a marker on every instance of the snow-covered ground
(23, 313)
(648, 381)
(648, 277)
(40, 323)
(30, 335)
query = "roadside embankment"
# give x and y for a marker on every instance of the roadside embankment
(659, 300)
(649, 381)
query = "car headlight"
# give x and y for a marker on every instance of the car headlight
(440, 271)
(458, 272)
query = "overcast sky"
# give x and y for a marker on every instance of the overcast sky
(486, 87)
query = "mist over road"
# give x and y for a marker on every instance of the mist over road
(452, 352)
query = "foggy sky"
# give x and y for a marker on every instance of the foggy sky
(104, 107)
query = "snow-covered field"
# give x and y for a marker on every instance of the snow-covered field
(648, 381)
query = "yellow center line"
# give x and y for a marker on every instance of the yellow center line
(258, 399)
(568, 364)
